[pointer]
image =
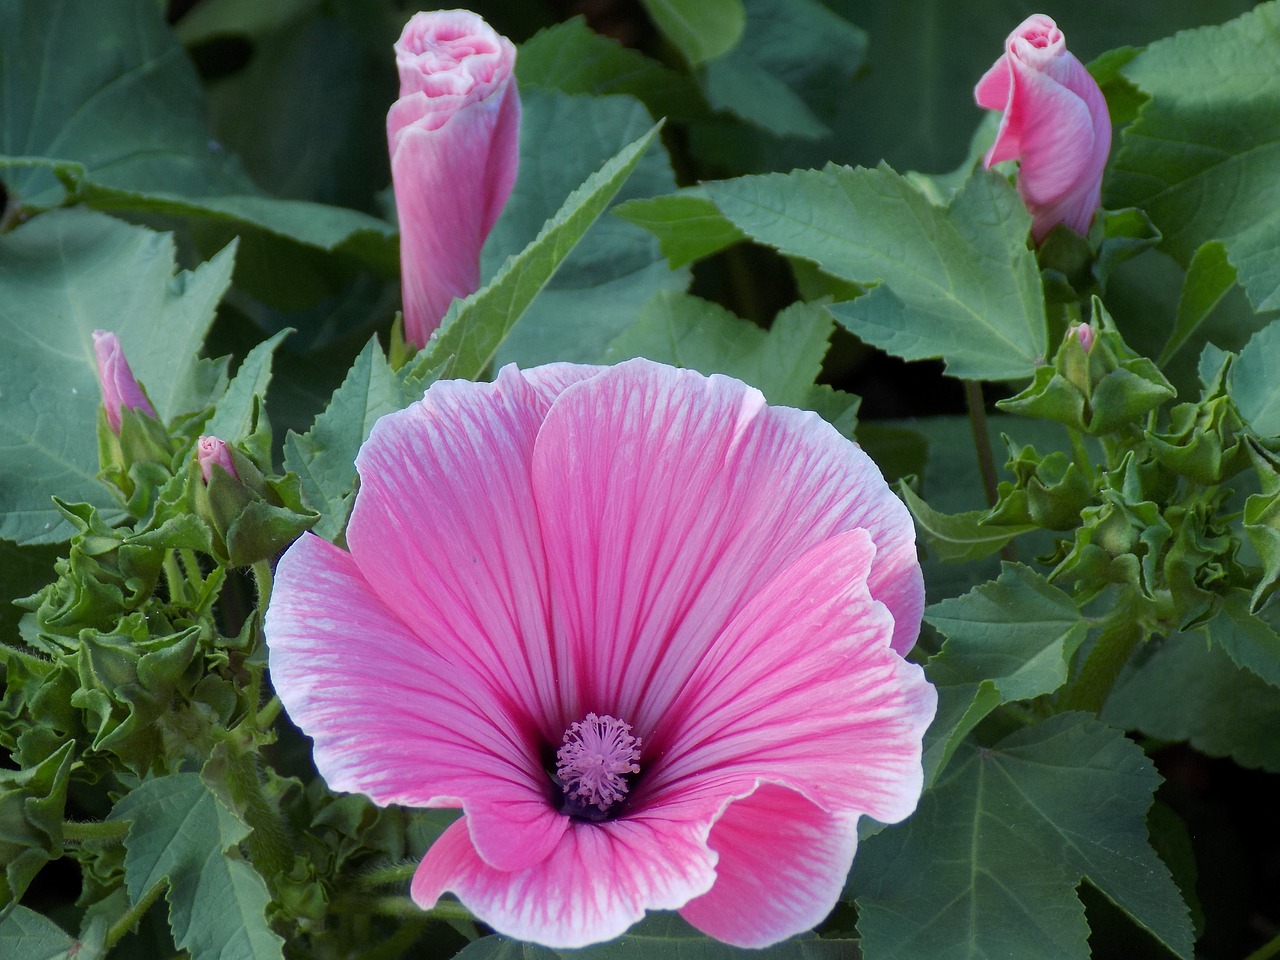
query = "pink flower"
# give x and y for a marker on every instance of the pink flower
(120, 390)
(1083, 332)
(454, 136)
(210, 451)
(1055, 121)
(645, 630)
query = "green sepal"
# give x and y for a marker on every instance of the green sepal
(1048, 491)
(1098, 390)
(1261, 521)
(31, 810)
(137, 461)
(1204, 441)
(253, 516)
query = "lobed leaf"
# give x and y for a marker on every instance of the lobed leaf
(180, 836)
(957, 282)
(987, 867)
(63, 275)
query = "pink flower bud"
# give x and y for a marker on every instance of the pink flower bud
(120, 390)
(211, 450)
(454, 137)
(1055, 122)
(1084, 333)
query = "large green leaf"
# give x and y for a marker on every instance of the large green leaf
(700, 29)
(956, 282)
(125, 130)
(1186, 689)
(1254, 385)
(180, 835)
(474, 329)
(958, 537)
(63, 275)
(233, 421)
(795, 61)
(574, 59)
(988, 866)
(27, 935)
(687, 224)
(1203, 157)
(662, 934)
(617, 267)
(1008, 640)
(1248, 640)
(324, 456)
(782, 362)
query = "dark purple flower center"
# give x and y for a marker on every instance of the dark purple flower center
(593, 764)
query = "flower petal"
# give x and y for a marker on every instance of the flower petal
(598, 881)
(667, 500)
(445, 531)
(802, 689)
(394, 721)
(783, 862)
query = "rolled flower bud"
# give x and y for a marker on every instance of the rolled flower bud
(1055, 122)
(211, 451)
(454, 137)
(1084, 333)
(120, 389)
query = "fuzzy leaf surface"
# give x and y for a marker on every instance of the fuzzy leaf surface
(63, 275)
(956, 282)
(1203, 157)
(180, 835)
(987, 866)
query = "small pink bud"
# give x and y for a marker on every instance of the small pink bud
(454, 137)
(120, 390)
(210, 451)
(1084, 333)
(1055, 122)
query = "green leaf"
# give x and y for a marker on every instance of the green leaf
(782, 362)
(574, 59)
(474, 328)
(1249, 641)
(792, 52)
(27, 935)
(1203, 157)
(63, 275)
(125, 129)
(956, 282)
(701, 29)
(958, 537)
(662, 934)
(990, 861)
(234, 418)
(1253, 384)
(180, 835)
(616, 267)
(324, 456)
(1185, 689)
(1209, 278)
(1009, 640)
(687, 224)
(31, 810)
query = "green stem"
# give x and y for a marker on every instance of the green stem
(1080, 453)
(1121, 634)
(1268, 950)
(77, 831)
(981, 438)
(176, 579)
(267, 715)
(387, 876)
(401, 907)
(262, 578)
(131, 918)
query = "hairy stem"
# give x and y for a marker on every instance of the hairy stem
(1268, 950)
(77, 831)
(1121, 634)
(131, 918)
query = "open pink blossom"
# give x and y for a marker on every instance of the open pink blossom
(1055, 122)
(120, 389)
(645, 630)
(454, 137)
